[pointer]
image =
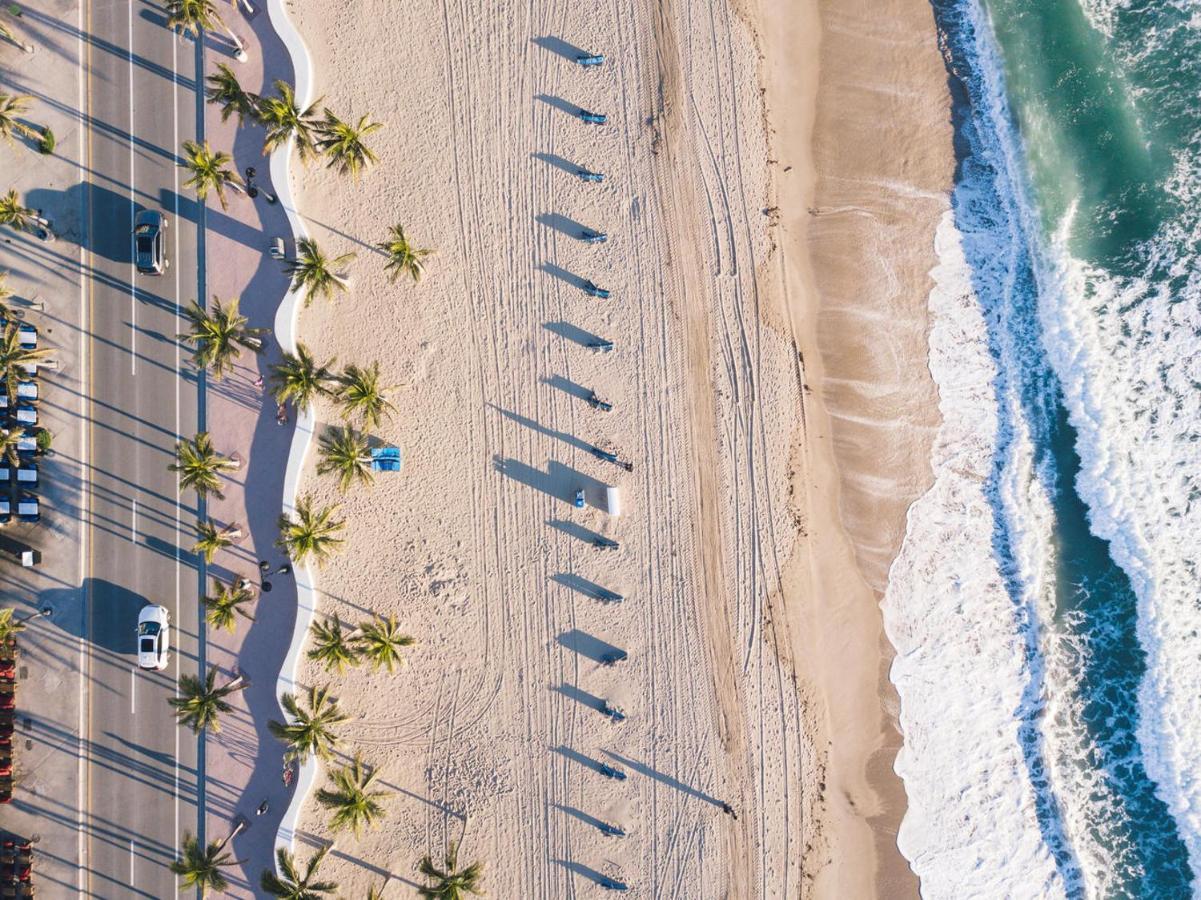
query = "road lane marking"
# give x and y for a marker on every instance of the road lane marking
(178, 270)
(133, 305)
(133, 692)
(131, 862)
(85, 103)
(133, 523)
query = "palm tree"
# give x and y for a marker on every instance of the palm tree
(292, 884)
(451, 883)
(332, 647)
(361, 395)
(224, 88)
(200, 867)
(16, 216)
(10, 626)
(309, 732)
(12, 106)
(193, 16)
(299, 379)
(381, 642)
(7, 34)
(309, 532)
(218, 336)
(343, 144)
(209, 538)
(314, 272)
(354, 804)
(16, 361)
(5, 311)
(201, 703)
(345, 453)
(200, 465)
(283, 119)
(222, 609)
(210, 171)
(403, 257)
(10, 440)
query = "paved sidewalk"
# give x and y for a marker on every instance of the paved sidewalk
(47, 744)
(244, 762)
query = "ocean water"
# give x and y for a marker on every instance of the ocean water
(1046, 603)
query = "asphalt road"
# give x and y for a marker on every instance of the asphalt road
(141, 774)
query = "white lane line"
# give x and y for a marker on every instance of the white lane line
(133, 306)
(133, 523)
(84, 526)
(131, 862)
(133, 690)
(178, 493)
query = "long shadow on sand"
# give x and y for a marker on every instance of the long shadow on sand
(586, 645)
(660, 777)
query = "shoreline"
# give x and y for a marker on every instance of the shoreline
(821, 154)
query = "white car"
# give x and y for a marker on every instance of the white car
(154, 633)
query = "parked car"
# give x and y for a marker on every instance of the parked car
(154, 637)
(149, 253)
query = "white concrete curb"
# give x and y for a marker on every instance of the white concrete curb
(286, 318)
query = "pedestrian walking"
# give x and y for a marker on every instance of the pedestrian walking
(264, 566)
(263, 807)
(258, 382)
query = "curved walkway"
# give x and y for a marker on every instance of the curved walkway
(244, 762)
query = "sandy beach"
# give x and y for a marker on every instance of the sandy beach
(762, 357)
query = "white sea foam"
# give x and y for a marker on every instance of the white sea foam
(963, 669)
(1128, 354)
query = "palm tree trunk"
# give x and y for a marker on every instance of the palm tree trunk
(240, 56)
(238, 829)
(233, 532)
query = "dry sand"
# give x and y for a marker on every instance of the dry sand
(750, 614)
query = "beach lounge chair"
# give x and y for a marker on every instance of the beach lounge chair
(611, 772)
(597, 403)
(27, 443)
(589, 60)
(593, 291)
(27, 475)
(614, 656)
(586, 175)
(605, 543)
(613, 712)
(608, 596)
(26, 414)
(601, 346)
(27, 390)
(589, 236)
(4, 399)
(28, 509)
(385, 459)
(579, 498)
(6, 511)
(602, 453)
(592, 118)
(29, 335)
(6, 474)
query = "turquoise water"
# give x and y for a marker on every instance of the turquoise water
(1078, 144)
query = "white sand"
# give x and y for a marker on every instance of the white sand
(474, 546)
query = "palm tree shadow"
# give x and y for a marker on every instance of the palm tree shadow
(559, 47)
